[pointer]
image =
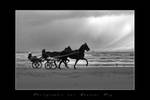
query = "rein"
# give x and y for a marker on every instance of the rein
(63, 55)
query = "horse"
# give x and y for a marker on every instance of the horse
(78, 54)
(64, 56)
(57, 54)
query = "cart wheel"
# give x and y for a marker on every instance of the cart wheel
(50, 65)
(36, 65)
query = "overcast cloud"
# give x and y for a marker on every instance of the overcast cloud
(54, 30)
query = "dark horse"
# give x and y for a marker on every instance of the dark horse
(78, 54)
(58, 55)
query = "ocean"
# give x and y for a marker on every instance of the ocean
(95, 59)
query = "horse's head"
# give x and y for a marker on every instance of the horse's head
(68, 49)
(85, 47)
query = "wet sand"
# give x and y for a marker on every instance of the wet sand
(102, 78)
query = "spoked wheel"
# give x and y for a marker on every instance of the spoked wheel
(37, 65)
(50, 65)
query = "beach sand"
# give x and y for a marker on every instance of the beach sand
(100, 78)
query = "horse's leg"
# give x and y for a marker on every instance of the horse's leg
(65, 63)
(60, 64)
(75, 63)
(55, 64)
(86, 61)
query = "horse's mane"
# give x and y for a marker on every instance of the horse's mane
(82, 46)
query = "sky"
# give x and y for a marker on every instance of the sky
(102, 30)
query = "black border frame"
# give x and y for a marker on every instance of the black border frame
(48, 93)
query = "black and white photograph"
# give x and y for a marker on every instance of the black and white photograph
(74, 50)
